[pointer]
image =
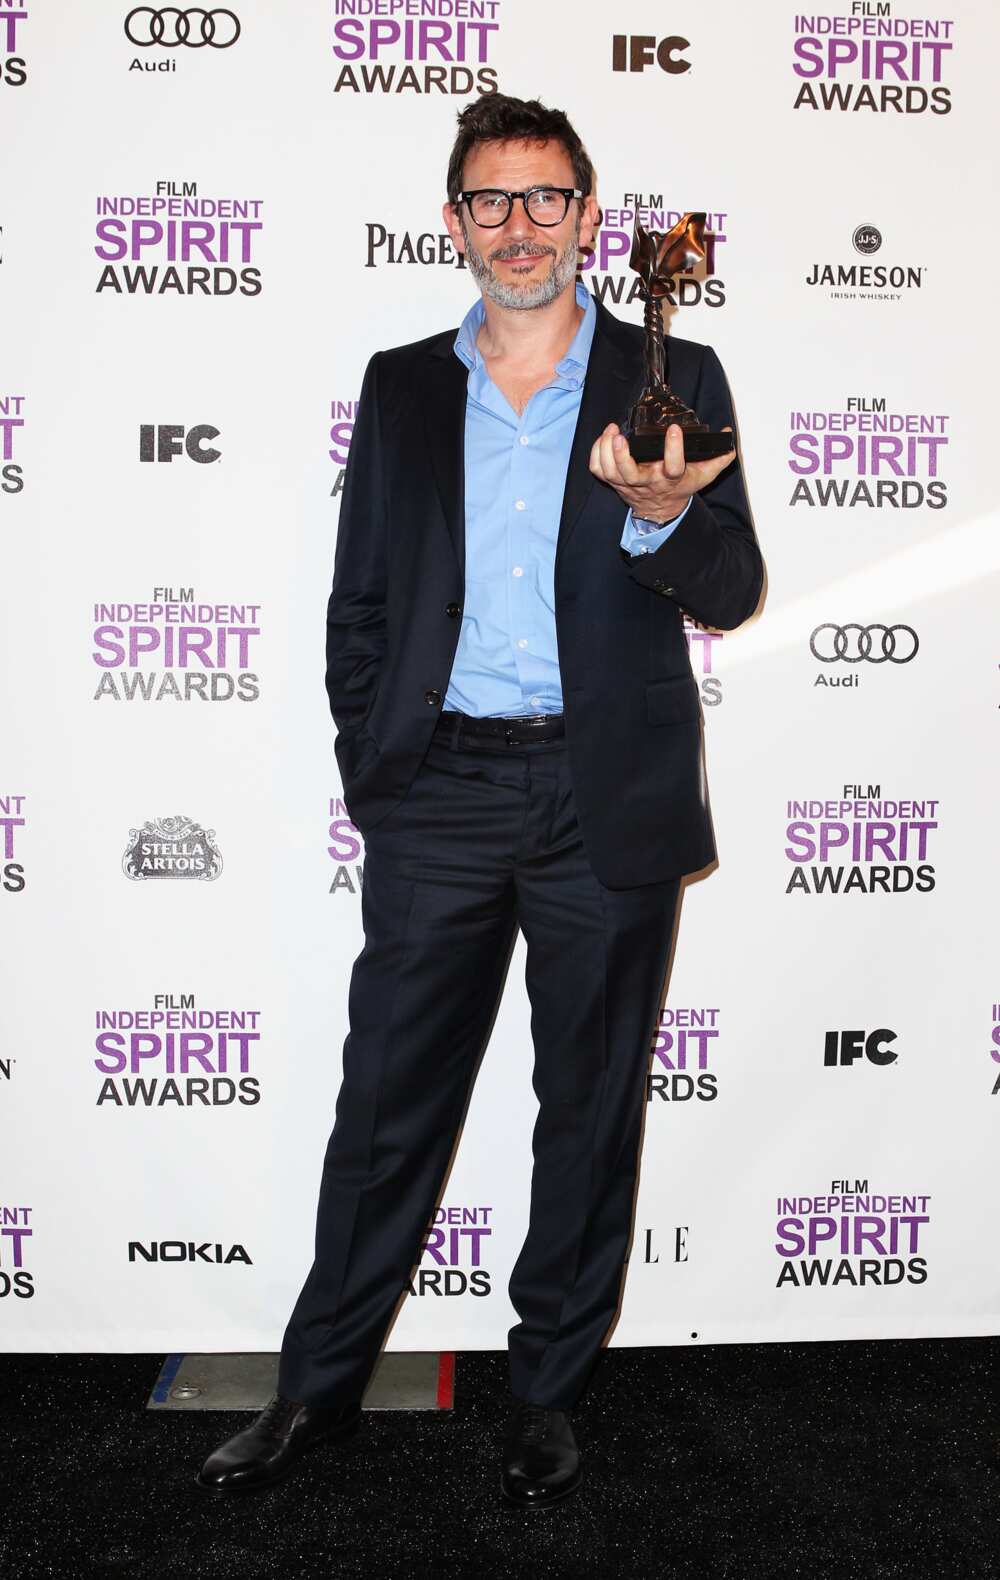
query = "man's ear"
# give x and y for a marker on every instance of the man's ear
(453, 225)
(590, 220)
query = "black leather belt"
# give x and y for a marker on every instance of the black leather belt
(520, 731)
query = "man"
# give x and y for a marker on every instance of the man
(519, 740)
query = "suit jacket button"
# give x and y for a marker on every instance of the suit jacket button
(658, 586)
(432, 698)
(453, 611)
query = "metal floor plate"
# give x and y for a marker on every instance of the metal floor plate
(246, 1382)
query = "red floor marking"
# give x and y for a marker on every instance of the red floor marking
(446, 1381)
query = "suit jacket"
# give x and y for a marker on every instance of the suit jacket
(632, 705)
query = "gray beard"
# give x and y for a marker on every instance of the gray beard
(537, 293)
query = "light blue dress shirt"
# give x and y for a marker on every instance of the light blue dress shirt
(506, 663)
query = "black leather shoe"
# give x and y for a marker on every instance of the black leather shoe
(541, 1462)
(264, 1452)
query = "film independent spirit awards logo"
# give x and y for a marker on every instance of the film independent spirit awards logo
(172, 847)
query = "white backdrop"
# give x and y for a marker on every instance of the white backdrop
(117, 1185)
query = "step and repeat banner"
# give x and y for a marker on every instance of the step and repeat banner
(211, 218)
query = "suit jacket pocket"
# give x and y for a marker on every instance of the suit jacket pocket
(673, 701)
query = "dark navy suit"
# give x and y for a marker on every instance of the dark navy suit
(580, 842)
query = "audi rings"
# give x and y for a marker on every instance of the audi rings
(172, 27)
(898, 644)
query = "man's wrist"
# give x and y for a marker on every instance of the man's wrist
(650, 523)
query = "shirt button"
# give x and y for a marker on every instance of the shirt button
(520, 505)
(535, 701)
(524, 439)
(518, 570)
(642, 549)
(522, 641)
(432, 698)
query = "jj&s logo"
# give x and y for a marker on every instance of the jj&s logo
(860, 844)
(852, 644)
(172, 847)
(684, 1051)
(13, 70)
(187, 1251)
(177, 1055)
(205, 649)
(867, 282)
(605, 270)
(11, 424)
(634, 52)
(346, 850)
(851, 1236)
(868, 456)
(342, 417)
(872, 59)
(177, 243)
(445, 49)
(453, 1252)
(162, 441)
(173, 29)
(847, 1047)
(13, 820)
(15, 1253)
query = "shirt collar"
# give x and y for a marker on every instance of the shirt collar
(571, 369)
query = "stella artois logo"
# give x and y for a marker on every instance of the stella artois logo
(172, 847)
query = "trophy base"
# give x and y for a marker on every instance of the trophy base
(699, 445)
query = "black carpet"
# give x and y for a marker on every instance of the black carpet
(727, 1463)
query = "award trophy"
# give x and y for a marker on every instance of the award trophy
(657, 256)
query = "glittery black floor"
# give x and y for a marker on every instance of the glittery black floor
(832, 1460)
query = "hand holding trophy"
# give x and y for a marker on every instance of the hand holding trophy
(657, 256)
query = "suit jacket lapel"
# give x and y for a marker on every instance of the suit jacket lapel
(612, 380)
(443, 403)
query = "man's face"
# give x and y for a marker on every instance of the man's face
(520, 264)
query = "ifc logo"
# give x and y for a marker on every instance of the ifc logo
(867, 239)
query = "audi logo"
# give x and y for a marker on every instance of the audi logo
(171, 27)
(875, 644)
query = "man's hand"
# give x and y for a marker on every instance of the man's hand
(655, 490)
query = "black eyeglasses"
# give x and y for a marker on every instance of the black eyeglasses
(491, 207)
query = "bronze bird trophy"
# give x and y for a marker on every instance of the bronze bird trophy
(657, 256)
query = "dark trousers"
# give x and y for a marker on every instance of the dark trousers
(487, 839)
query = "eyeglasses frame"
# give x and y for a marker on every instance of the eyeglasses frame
(566, 192)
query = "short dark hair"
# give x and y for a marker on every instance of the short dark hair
(497, 118)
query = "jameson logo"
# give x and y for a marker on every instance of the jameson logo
(172, 847)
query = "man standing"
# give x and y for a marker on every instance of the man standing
(520, 744)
